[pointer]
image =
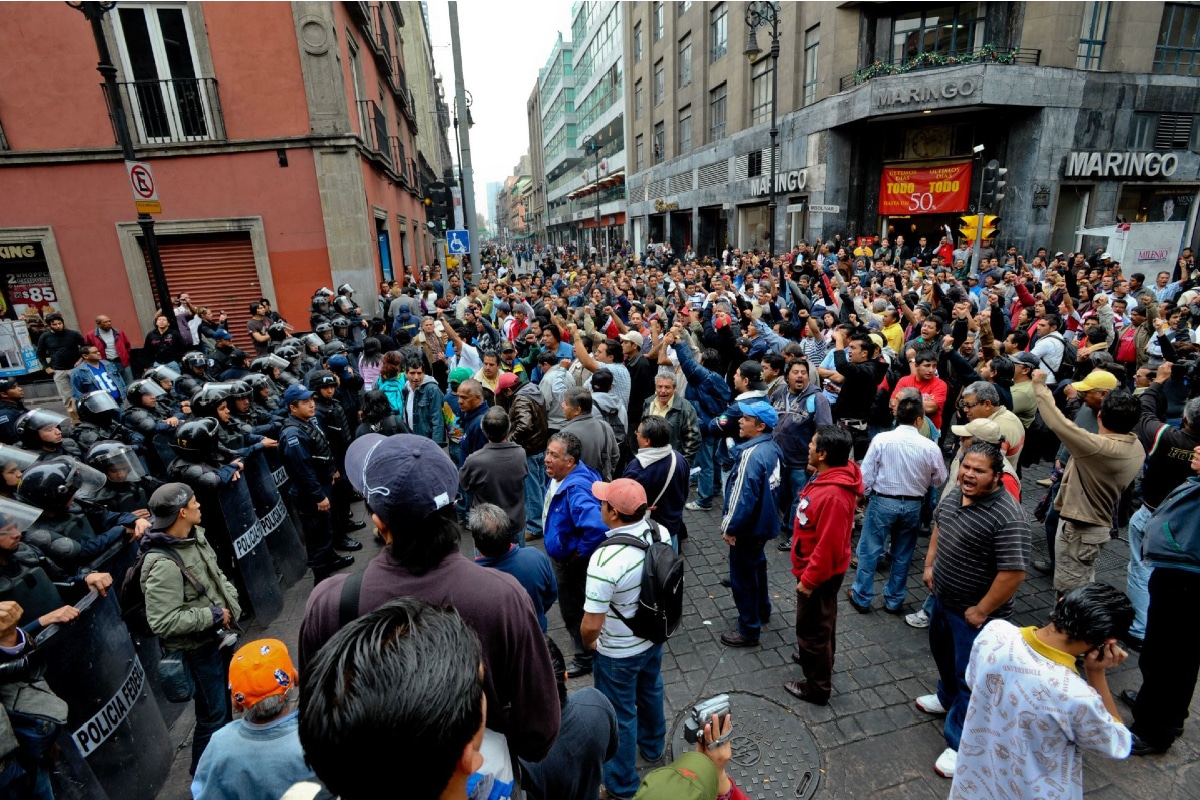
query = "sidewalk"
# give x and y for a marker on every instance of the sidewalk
(873, 740)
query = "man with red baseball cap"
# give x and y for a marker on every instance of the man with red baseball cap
(627, 669)
(257, 757)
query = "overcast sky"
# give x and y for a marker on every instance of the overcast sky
(504, 44)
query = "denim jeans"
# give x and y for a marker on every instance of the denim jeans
(748, 581)
(789, 497)
(535, 495)
(634, 686)
(210, 671)
(900, 519)
(1137, 583)
(950, 641)
(706, 458)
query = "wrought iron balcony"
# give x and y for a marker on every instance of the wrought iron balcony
(175, 110)
(988, 54)
(374, 129)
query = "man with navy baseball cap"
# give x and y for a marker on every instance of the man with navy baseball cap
(750, 518)
(410, 485)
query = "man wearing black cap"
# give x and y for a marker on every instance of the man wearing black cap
(410, 486)
(312, 469)
(188, 621)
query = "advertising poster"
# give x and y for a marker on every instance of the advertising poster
(925, 190)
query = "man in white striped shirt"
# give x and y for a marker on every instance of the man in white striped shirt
(627, 668)
(901, 465)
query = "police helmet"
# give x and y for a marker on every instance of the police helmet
(197, 437)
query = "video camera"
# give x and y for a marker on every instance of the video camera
(702, 714)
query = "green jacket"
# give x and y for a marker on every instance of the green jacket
(181, 617)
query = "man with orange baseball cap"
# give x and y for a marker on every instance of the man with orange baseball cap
(257, 757)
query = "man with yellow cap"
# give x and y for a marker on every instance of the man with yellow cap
(257, 757)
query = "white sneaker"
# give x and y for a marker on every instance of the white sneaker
(930, 704)
(918, 620)
(946, 763)
(694, 506)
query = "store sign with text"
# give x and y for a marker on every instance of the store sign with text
(793, 181)
(925, 190)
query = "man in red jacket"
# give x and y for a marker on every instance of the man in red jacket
(113, 345)
(820, 557)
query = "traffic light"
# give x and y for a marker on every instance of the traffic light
(437, 205)
(970, 226)
(993, 183)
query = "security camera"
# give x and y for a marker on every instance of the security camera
(977, 148)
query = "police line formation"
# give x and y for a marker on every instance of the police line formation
(578, 398)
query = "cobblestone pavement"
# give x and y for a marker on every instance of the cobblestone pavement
(873, 740)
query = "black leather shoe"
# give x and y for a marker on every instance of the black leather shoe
(856, 606)
(898, 611)
(1129, 697)
(1143, 748)
(347, 545)
(323, 571)
(735, 638)
(355, 525)
(577, 670)
(1134, 643)
(726, 582)
(800, 690)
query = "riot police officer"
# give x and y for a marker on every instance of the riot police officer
(12, 406)
(40, 431)
(311, 470)
(64, 531)
(100, 418)
(127, 487)
(331, 417)
(201, 461)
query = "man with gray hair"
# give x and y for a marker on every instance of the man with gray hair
(980, 400)
(594, 434)
(492, 529)
(257, 757)
(496, 472)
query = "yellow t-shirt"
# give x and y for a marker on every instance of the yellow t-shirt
(895, 337)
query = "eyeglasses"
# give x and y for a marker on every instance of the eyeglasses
(965, 406)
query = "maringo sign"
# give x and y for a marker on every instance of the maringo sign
(902, 95)
(1098, 164)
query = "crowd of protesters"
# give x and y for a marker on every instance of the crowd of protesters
(841, 402)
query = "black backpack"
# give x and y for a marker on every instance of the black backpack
(660, 602)
(133, 600)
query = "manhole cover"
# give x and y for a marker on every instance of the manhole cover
(774, 755)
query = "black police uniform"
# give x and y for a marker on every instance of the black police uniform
(310, 466)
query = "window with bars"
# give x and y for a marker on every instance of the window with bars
(760, 91)
(685, 60)
(1178, 50)
(812, 46)
(718, 26)
(659, 20)
(660, 142)
(637, 42)
(716, 113)
(660, 82)
(1092, 35)
(754, 164)
(640, 153)
(685, 130)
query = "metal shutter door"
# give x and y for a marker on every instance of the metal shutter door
(215, 270)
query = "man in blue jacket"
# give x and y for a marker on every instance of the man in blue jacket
(709, 394)
(573, 529)
(750, 519)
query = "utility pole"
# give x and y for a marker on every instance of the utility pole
(464, 167)
(94, 12)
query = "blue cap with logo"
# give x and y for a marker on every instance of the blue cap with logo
(295, 393)
(763, 412)
(403, 478)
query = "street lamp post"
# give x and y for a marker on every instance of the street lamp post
(94, 12)
(594, 148)
(757, 15)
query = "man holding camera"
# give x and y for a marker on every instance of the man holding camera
(176, 561)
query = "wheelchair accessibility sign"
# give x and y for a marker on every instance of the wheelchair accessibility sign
(458, 242)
